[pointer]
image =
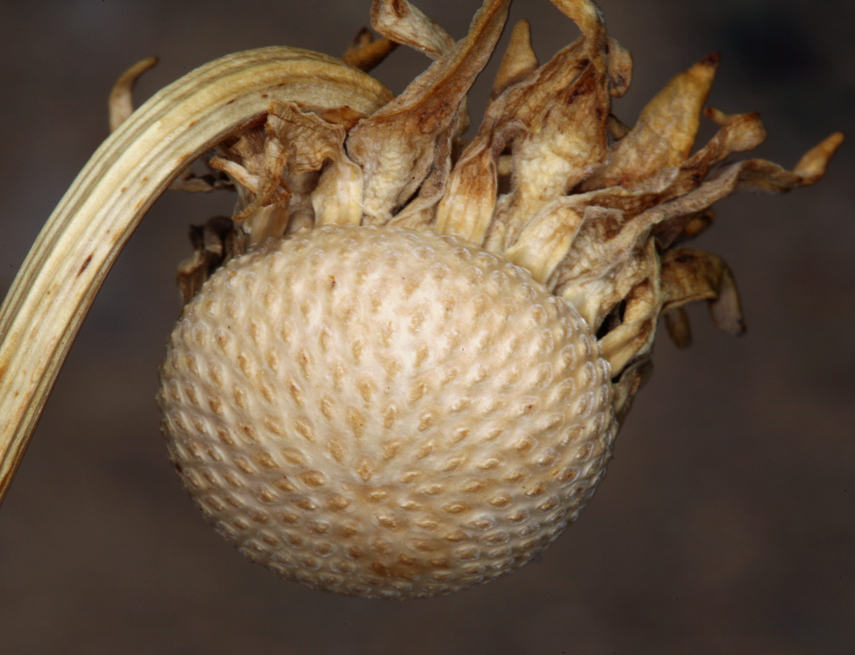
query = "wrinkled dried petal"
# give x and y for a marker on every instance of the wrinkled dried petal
(620, 70)
(301, 212)
(546, 238)
(604, 262)
(421, 211)
(396, 146)
(262, 159)
(566, 136)
(467, 207)
(665, 132)
(548, 162)
(312, 144)
(692, 275)
(739, 133)
(214, 243)
(400, 21)
(589, 19)
(269, 221)
(766, 176)
(189, 182)
(606, 245)
(683, 228)
(256, 194)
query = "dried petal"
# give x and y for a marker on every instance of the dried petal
(571, 91)
(214, 243)
(605, 261)
(468, 207)
(739, 132)
(766, 176)
(678, 327)
(682, 228)
(519, 61)
(121, 104)
(546, 238)
(629, 383)
(258, 175)
(634, 336)
(664, 134)
(546, 163)
(314, 143)
(620, 68)
(365, 53)
(400, 21)
(421, 211)
(396, 146)
(692, 275)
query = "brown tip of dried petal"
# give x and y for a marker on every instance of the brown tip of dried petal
(589, 19)
(620, 68)
(719, 117)
(363, 38)
(713, 59)
(617, 129)
(726, 310)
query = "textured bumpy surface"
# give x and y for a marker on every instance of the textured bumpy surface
(385, 412)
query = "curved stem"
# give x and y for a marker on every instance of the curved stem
(80, 241)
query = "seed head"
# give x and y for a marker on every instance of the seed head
(385, 412)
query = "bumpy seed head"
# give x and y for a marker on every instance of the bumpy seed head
(385, 412)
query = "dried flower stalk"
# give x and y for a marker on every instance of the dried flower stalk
(66, 266)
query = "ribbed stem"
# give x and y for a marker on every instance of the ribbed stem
(71, 257)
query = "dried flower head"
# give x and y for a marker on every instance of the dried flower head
(404, 359)
(389, 413)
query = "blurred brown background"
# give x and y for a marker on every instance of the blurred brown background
(727, 521)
